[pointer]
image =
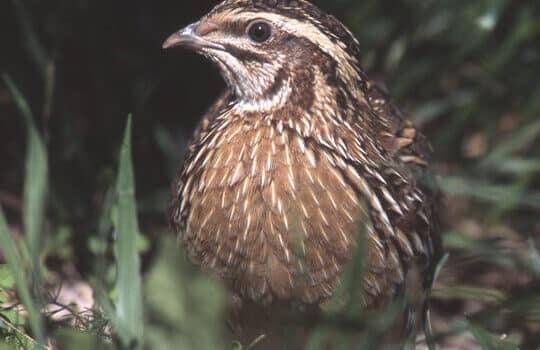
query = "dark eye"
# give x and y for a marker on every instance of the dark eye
(259, 31)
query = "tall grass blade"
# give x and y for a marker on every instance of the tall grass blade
(128, 285)
(428, 331)
(470, 293)
(16, 265)
(35, 189)
(104, 302)
(36, 175)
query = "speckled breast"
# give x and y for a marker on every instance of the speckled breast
(268, 214)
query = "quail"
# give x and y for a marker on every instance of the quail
(299, 156)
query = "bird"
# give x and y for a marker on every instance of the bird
(299, 162)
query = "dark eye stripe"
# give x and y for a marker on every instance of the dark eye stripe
(245, 55)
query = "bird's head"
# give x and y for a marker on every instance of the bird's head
(268, 50)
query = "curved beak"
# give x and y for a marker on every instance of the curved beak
(190, 37)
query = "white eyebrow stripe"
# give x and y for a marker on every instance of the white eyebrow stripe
(346, 63)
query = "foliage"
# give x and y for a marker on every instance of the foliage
(36, 173)
(129, 316)
(194, 307)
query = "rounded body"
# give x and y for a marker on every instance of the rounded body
(301, 163)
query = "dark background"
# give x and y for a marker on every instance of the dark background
(467, 72)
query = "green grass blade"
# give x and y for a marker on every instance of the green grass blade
(103, 301)
(482, 336)
(470, 293)
(15, 264)
(36, 175)
(129, 298)
(489, 192)
(254, 343)
(428, 331)
(521, 139)
(489, 341)
(35, 189)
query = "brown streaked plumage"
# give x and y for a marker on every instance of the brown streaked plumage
(300, 155)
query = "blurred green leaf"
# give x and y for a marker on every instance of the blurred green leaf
(483, 338)
(6, 277)
(185, 309)
(318, 339)
(488, 341)
(17, 341)
(526, 28)
(97, 246)
(59, 244)
(129, 299)
(519, 140)
(347, 298)
(14, 317)
(73, 339)
(434, 109)
(395, 54)
(103, 301)
(469, 293)
(489, 192)
(488, 250)
(519, 166)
